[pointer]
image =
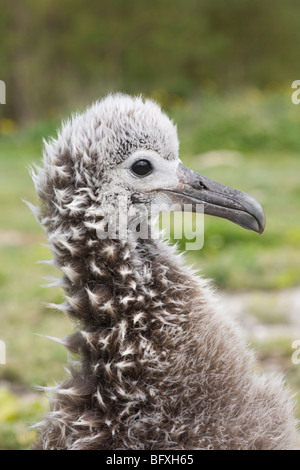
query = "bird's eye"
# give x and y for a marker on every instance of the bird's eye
(142, 168)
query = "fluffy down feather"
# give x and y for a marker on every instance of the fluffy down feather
(161, 365)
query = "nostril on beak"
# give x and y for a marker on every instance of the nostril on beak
(202, 185)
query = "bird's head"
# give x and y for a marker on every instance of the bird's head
(124, 148)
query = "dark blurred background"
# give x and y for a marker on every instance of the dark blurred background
(57, 54)
(223, 71)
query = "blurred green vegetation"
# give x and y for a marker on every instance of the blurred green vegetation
(55, 54)
(17, 414)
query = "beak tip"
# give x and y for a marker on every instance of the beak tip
(261, 222)
(219, 200)
(256, 213)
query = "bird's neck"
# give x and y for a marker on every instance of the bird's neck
(134, 304)
(108, 282)
(131, 299)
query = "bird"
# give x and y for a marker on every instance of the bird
(160, 364)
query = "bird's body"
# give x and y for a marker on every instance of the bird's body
(161, 364)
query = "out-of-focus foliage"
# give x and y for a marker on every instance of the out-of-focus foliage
(18, 413)
(56, 53)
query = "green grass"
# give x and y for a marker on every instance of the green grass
(264, 130)
(18, 413)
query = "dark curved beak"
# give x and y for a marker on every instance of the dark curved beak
(218, 200)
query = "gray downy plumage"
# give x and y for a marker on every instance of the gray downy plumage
(161, 364)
